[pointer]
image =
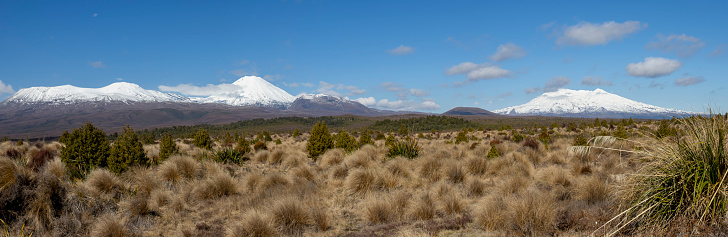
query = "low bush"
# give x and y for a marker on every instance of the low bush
(408, 148)
(229, 155)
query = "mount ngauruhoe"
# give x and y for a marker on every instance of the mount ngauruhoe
(48, 111)
(589, 104)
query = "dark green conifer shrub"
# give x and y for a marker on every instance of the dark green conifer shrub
(580, 140)
(407, 148)
(86, 147)
(380, 136)
(229, 155)
(243, 145)
(127, 151)
(462, 137)
(278, 141)
(296, 133)
(202, 139)
(365, 138)
(493, 153)
(319, 141)
(345, 141)
(517, 137)
(167, 147)
(390, 140)
(403, 131)
(260, 146)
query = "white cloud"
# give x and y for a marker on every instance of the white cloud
(488, 72)
(330, 89)
(586, 33)
(296, 84)
(508, 51)
(401, 50)
(97, 64)
(208, 90)
(683, 45)
(399, 105)
(390, 86)
(119, 79)
(595, 81)
(273, 77)
(653, 67)
(95, 15)
(555, 83)
(419, 92)
(686, 81)
(532, 90)
(6, 89)
(718, 51)
(241, 73)
(462, 68)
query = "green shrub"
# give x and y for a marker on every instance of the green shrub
(148, 138)
(403, 131)
(127, 151)
(296, 133)
(264, 136)
(407, 148)
(621, 133)
(517, 137)
(380, 136)
(366, 138)
(665, 130)
(278, 142)
(345, 141)
(260, 146)
(493, 153)
(390, 140)
(243, 145)
(462, 137)
(86, 147)
(167, 147)
(229, 155)
(319, 141)
(202, 139)
(580, 140)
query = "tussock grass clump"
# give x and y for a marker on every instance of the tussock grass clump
(177, 168)
(361, 181)
(455, 173)
(290, 215)
(254, 223)
(103, 182)
(332, 157)
(491, 213)
(533, 214)
(429, 168)
(40, 158)
(7, 172)
(218, 185)
(109, 226)
(593, 189)
(276, 157)
(377, 210)
(261, 156)
(476, 165)
(424, 208)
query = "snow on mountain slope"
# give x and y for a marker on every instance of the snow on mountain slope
(117, 92)
(585, 103)
(254, 91)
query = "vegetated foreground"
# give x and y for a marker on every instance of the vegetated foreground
(526, 181)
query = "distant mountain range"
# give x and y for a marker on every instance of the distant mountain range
(48, 111)
(589, 104)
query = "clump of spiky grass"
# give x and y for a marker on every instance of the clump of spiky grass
(254, 223)
(109, 225)
(361, 181)
(377, 210)
(7, 172)
(408, 148)
(290, 215)
(683, 178)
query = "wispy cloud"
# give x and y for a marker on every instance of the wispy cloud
(718, 51)
(587, 33)
(595, 81)
(688, 80)
(333, 89)
(683, 45)
(399, 105)
(6, 89)
(296, 84)
(401, 50)
(97, 64)
(207, 90)
(553, 84)
(653, 67)
(508, 51)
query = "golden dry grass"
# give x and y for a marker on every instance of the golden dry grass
(449, 190)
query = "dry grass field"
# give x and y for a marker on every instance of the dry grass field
(526, 189)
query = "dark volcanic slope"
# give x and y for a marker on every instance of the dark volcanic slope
(468, 111)
(38, 121)
(324, 105)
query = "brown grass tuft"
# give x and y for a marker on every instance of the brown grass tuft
(477, 165)
(218, 185)
(455, 173)
(290, 215)
(593, 189)
(103, 182)
(491, 213)
(261, 156)
(361, 181)
(531, 143)
(338, 172)
(331, 158)
(274, 180)
(254, 224)
(377, 210)
(533, 214)
(109, 226)
(275, 157)
(7, 172)
(321, 218)
(424, 208)
(177, 168)
(40, 158)
(56, 167)
(476, 187)
(430, 168)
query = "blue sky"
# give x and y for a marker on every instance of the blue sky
(426, 56)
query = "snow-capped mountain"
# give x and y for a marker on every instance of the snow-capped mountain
(320, 104)
(117, 92)
(251, 91)
(590, 104)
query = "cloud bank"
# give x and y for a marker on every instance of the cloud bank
(683, 45)
(6, 89)
(687, 81)
(595, 81)
(399, 105)
(508, 51)
(586, 33)
(653, 67)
